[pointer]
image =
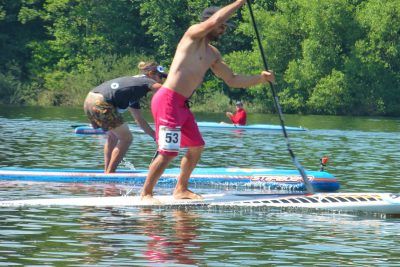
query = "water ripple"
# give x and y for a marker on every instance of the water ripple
(363, 155)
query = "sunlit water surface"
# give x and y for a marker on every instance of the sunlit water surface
(363, 153)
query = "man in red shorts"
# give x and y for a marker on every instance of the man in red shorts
(175, 123)
(240, 116)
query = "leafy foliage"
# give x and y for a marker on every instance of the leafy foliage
(330, 57)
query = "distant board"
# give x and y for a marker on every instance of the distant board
(261, 127)
(209, 125)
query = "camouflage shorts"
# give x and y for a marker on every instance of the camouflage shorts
(103, 115)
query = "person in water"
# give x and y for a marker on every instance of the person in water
(105, 104)
(240, 116)
(175, 124)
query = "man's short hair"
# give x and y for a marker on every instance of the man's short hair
(209, 11)
(239, 103)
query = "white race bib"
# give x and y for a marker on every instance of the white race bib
(169, 139)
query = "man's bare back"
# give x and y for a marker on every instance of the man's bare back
(192, 59)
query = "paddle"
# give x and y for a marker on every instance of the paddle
(278, 107)
(154, 157)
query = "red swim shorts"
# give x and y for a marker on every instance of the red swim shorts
(171, 112)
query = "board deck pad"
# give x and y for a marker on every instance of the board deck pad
(385, 203)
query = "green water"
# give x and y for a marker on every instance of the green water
(363, 153)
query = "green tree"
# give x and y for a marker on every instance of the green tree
(374, 65)
(329, 30)
(330, 57)
(81, 30)
(15, 36)
(331, 95)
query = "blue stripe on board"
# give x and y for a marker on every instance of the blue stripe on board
(209, 125)
(265, 178)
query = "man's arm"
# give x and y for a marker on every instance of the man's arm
(202, 29)
(156, 86)
(137, 115)
(223, 71)
(229, 115)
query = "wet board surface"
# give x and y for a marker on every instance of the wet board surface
(386, 203)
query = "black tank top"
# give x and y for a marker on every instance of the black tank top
(124, 92)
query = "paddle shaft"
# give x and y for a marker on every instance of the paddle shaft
(278, 107)
(154, 156)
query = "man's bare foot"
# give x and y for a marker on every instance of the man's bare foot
(150, 200)
(186, 194)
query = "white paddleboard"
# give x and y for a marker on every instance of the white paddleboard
(386, 203)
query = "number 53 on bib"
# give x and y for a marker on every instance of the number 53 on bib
(169, 138)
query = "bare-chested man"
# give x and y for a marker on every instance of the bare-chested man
(175, 124)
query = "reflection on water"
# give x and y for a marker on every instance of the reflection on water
(137, 237)
(363, 155)
(170, 244)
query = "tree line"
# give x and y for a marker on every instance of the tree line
(339, 57)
